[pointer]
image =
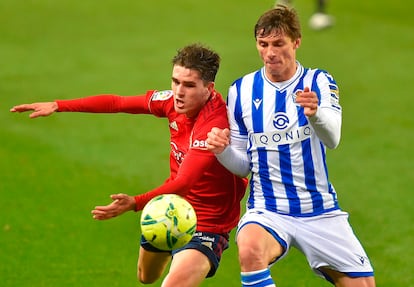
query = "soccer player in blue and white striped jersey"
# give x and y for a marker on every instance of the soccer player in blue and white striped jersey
(283, 117)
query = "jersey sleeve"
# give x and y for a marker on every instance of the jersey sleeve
(107, 104)
(235, 157)
(328, 118)
(161, 103)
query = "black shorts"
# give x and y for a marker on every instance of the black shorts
(211, 245)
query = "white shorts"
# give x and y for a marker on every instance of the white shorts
(326, 240)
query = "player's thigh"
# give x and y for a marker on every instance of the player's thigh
(342, 280)
(151, 265)
(188, 268)
(257, 247)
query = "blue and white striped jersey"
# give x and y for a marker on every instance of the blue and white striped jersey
(287, 159)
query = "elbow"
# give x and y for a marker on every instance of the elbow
(332, 143)
(244, 173)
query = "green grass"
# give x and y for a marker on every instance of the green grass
(54, 170)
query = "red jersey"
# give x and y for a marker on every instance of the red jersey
(195, 173)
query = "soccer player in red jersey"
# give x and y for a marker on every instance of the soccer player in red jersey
(193, 107)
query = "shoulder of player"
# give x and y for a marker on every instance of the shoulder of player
(214, 106)
(214, 113)
(247, 77)
(318, 73)
(161, 95)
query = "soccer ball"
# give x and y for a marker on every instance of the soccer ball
(168, 222)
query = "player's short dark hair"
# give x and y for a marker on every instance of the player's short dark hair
(281, 19)
(200, 58)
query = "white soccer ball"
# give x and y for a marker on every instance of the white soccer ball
(168, 222)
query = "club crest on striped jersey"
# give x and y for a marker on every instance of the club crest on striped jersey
(162, 95)
(294, 95)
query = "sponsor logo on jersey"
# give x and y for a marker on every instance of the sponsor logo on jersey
(280, 121)
(162, 95)
(199, 144)
(276, 138)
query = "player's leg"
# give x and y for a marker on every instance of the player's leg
(333, 250)
(320, 19)
(188, 268)
(151, 265)
(197, 260)
(342, 280)
(151, 262)
(321, 6)
(257, 249)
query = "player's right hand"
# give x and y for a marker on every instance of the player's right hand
(218, 139)
(40, 109)
(120, 203)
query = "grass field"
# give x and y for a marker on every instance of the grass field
(54, 170)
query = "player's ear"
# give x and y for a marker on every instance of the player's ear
(297, 43)
(210, 87)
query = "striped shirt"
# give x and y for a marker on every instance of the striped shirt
(287, 159)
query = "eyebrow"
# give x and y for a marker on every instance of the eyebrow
(184, 82)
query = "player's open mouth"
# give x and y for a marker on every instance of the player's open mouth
(179, 103)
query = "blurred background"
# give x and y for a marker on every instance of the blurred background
(54, 170)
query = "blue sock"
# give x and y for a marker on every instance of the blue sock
(258, 278)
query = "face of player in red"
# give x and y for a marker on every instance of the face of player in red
(278, 53)
(190, 91)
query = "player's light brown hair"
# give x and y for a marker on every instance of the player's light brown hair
(199, 58)
(280, 19)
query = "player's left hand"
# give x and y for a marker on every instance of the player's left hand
(120, 204)
(308, 100)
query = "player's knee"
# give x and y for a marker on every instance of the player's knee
(251, 255)
(146, 278)
(255, 253)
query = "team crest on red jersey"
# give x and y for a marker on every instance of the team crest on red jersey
(178, 154)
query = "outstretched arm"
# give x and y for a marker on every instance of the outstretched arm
(39, 109)
(91, 104)
(191, 170)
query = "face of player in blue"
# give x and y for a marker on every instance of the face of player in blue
(190, 91)
(278, 53)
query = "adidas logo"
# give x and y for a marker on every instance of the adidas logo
(174, 126)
